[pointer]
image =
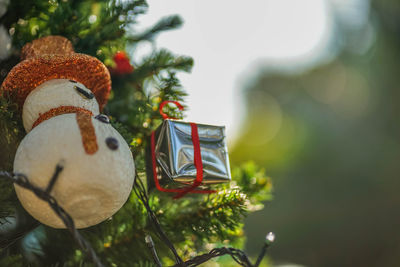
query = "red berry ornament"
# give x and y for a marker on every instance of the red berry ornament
(123, 66)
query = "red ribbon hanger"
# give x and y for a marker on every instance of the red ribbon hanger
(165, 116)
(197, 159)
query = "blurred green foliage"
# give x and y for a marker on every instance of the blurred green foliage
(330, 137)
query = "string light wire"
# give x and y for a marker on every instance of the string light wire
(237, 255)
(22, 180)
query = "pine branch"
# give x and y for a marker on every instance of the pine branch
(90, 25)
(11, 260)
(165, 24)
(170, 88)
(11, 132)
(215, 217)
(159, 61)
(253, 181)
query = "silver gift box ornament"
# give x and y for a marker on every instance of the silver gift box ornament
(174, 155)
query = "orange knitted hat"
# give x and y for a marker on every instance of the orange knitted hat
(53, 57)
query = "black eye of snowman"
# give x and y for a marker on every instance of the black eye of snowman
(83, 92)
(103, 118)
(112, 143)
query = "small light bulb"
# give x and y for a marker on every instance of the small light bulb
(270, 237)
(92, 19)
(148, 239)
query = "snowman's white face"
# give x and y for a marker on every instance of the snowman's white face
(54, 94)
(97, 177)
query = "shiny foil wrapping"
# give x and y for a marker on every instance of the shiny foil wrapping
(174, 154)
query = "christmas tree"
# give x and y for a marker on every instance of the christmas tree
(194, 224)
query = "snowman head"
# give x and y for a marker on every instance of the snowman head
(55, 97)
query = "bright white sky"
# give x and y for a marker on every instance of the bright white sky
(229, 39)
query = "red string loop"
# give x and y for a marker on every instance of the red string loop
(165, 116)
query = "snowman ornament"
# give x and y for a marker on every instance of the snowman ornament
(61, 94)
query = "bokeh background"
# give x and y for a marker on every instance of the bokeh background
(310, 90)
